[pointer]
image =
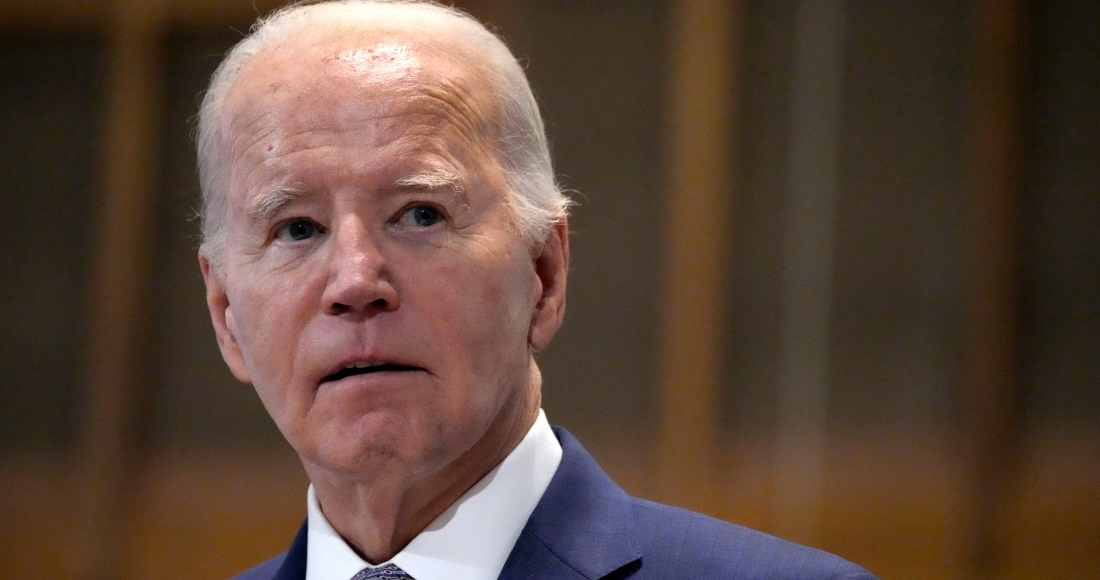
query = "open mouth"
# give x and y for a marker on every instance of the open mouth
(367, 368)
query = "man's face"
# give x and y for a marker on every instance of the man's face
(373, 288)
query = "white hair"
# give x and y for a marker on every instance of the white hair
(517, 134)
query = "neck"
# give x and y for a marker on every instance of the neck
(379, 516)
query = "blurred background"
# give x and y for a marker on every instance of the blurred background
(836, 276)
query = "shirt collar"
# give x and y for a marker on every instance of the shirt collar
(472, 538)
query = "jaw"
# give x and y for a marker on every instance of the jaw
(380, 514)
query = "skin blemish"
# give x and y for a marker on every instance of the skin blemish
(386, 61)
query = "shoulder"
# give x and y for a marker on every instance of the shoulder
(290, 565)
(588, 524)
(264, 571)
(679, 543)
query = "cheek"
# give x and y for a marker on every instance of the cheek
(270, 345)
(269, 316)
(489, 311)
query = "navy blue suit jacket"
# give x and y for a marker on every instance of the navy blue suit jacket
(587, 528)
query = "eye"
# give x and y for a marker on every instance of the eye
(424, 215)
(298, 230)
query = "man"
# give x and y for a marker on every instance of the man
(384, 250)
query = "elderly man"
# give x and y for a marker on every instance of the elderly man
(384, 249)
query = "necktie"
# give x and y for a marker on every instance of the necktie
(387, 572)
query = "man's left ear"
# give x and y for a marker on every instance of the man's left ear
(551, 262)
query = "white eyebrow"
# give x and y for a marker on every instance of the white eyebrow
(267, 204)
(430, 179)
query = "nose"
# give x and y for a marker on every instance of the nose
(359, 281)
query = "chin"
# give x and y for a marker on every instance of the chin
(374, 447)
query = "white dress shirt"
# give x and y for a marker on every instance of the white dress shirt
(471, 540)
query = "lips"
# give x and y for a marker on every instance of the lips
(364, 368)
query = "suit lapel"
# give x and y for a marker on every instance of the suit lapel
(294, 564)
(583, 527)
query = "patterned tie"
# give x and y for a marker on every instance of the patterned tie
(387, 572)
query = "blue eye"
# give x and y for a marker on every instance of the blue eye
(425, 216)
(298, 230)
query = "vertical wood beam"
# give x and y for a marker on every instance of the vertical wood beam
(994, 179)
(705, 46)
(813, 170)
(119, 272)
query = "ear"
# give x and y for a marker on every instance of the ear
(551, 263)
(221, 314)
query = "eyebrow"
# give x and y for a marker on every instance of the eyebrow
(267, 204)
(430, 179)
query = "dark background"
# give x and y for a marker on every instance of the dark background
(206, 453)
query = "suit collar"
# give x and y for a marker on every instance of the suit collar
(583, 522)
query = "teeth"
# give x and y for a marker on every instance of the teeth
(362, 365)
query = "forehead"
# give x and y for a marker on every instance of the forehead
(354, 82)
(363, 60)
